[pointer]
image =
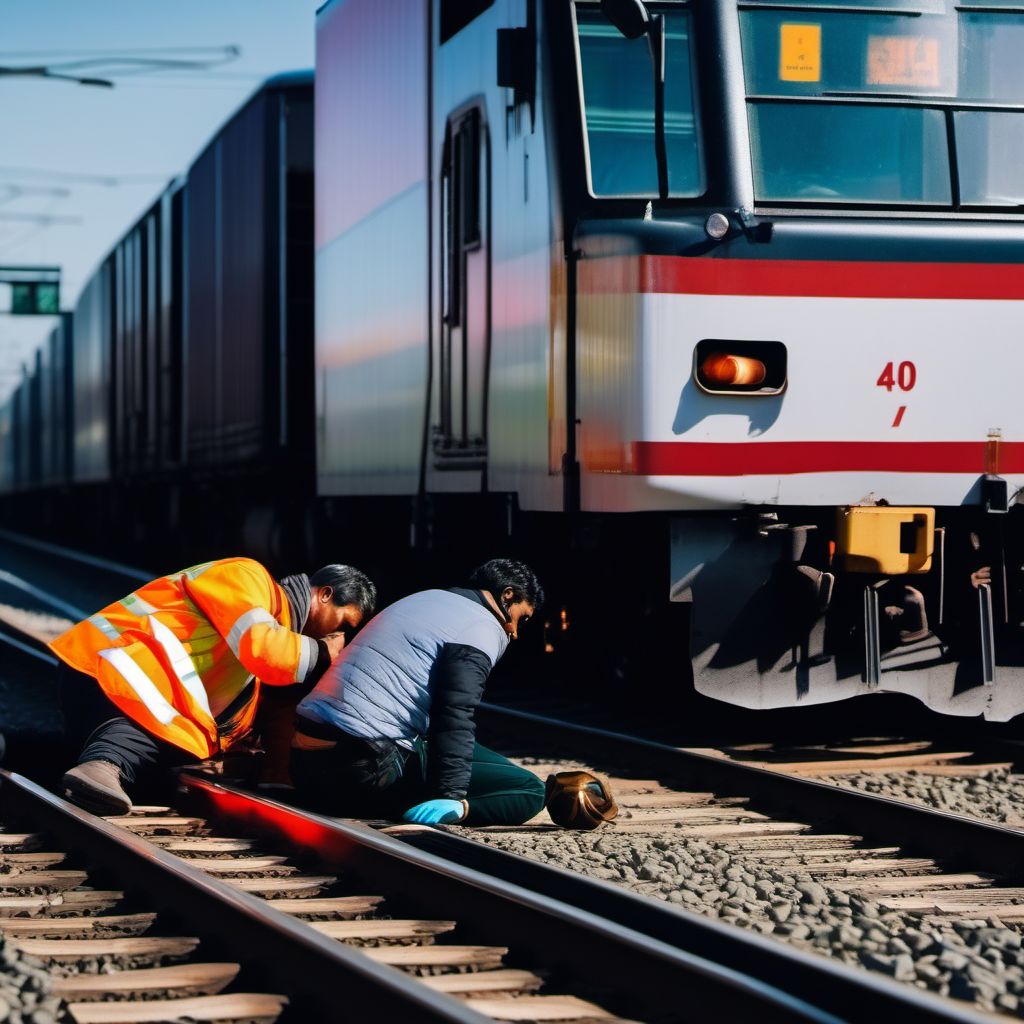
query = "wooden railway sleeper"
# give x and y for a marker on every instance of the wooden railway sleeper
(149, 983)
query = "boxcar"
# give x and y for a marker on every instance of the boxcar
(248, 284)
(55, 406)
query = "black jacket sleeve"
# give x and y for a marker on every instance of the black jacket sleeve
(323, 663)
(460, 674)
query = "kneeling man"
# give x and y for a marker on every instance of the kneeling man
(179, 666)
(389, 730)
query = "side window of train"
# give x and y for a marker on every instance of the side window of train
(460, 433)
(457, 14)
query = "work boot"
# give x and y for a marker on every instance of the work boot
(96, 787)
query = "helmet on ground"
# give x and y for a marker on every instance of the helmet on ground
(579, 800)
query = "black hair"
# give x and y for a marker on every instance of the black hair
(350, 586)
(499, 574)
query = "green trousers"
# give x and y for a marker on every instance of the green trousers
(499, 793)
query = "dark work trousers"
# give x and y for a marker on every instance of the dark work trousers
(103, 732)
(355, 780)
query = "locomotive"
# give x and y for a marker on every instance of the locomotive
(707, 305)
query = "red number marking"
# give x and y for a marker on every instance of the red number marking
(905, 377)
(899, 416)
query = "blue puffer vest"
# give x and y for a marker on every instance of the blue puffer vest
(380, 687)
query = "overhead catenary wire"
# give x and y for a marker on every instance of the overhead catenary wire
(101, 67)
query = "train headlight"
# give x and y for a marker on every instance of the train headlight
(740, 367)
(725, 369)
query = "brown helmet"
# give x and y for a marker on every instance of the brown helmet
(579, 800)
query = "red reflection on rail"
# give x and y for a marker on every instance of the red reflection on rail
(291, 826)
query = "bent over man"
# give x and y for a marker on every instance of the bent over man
(389, 731)
(180, 663)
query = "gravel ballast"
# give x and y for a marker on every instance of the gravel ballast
(25, 990)
(978, 960)
(996, 796)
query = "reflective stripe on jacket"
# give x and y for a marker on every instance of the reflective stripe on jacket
(182, 650)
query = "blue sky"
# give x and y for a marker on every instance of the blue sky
(94, 158)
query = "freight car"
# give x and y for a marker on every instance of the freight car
(183, 380)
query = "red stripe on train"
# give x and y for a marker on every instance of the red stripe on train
(783, 458)
(814, 278)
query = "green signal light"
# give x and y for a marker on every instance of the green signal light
(35, 299)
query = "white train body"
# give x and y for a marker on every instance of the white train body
(835, 436)
(501, 310)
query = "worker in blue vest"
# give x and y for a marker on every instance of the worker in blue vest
(389, 730)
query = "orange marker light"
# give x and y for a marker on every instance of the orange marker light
(725, 370)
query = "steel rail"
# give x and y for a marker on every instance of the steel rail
(30, 646)
(325, 979)
(116, 568)
(639, 972)
(960, 842)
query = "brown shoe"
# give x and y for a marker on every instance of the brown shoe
(96, 787)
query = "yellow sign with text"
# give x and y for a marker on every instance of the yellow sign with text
(903, 60)
(800, 53)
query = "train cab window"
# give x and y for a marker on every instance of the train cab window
(817, 133)
(919, 103)
(811, 54)
(618, 101)
(826, 152)
(990, 144)
(990, 49)
(990, 147)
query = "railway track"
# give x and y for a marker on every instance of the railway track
(130, 931)
(749, 820)
(962, 841)
(888, 755)
(304, 908)
(932, 898)
(835, 990)
(714, 968)
(969, 778)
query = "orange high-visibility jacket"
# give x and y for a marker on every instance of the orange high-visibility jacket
(180, 651)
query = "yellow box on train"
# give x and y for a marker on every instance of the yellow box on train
(885, 539)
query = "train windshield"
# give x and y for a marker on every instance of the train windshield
(618, 99)
(917, 104)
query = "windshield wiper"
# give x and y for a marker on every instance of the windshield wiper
(633, 19)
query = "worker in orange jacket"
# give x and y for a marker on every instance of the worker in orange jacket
(180, 663)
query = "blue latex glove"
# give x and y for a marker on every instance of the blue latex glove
(436, 812)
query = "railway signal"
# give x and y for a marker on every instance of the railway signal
(35, 291)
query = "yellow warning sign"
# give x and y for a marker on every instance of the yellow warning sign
(903, 60)
(800, 53)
